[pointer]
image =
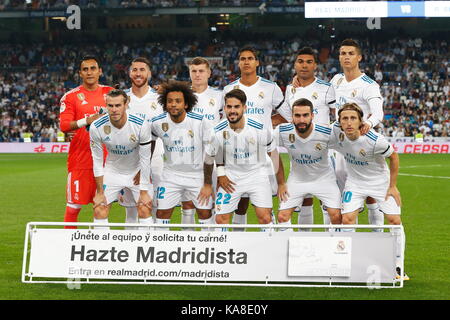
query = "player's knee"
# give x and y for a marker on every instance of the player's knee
(204, 213)
(394, 219)
(101, 212)
(348, 219)
(283, 216)
(265, 219)
(144, 212)
(187, 205)
(335, 215)
(222, 219)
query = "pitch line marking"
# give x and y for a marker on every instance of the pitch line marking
(422, 176)
(423, 166)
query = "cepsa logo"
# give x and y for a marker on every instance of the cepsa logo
(422, 147)
(52, 148)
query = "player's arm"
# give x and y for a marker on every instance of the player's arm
(394, 165)
(207, 189)
(330, 99)
(97, 158)
(373, 97)
(145, 185)
(67, 116)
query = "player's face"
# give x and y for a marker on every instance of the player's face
(305, 66)
(234, 110)
(350, 123)
(90, 72)
(199, 74)
(248, 62)
(175, 104)
(349, 57)
(140, 74)
(116, 108)
(302, 118)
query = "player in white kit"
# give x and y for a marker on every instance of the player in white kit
(368, 173)
(143, 101)
(354, 86)
(209, 105)
(127, 138)
(311, 173)
(263, 97)
(241, 144)
(184, 134)
(306, 85)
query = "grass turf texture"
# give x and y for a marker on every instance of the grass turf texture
(33, 189)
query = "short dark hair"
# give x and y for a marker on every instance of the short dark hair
(238, 94)
(309, 51)
(143, 60)
(353, 107)
(177, 86)
(116, 93)
(351, 43)
(89, 57)
(251, 49)
(302, 102)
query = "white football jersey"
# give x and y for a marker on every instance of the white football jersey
(183, 143)
(128, 147)
(360, 91)
(309, 157)
(262, 98)
(319, 92)
(148, 107)
(365, 157)
(209, 105)
(244, 153)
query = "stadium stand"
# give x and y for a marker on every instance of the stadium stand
(413, 74)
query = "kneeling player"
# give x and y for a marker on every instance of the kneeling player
(127, 138)
(368, 173)
(183, 134)
(241, 144)
(311, 173)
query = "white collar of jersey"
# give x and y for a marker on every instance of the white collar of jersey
(257, 81)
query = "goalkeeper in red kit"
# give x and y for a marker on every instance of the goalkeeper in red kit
(80, 107)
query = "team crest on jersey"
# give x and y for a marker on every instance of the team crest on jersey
(354, 93)
(340, 81)
(165, 126)
(341, 136)
(251, 140)
(153, 106)
(62, 108)
(191, 133)
(212, 102)
(81, 96)
(318, 147)
(226, 135)
(133, 138)
(261, 95)
(293, 90)
(362, 152)
(107, 129)
(236, 87)
(292, 138)
(315, 96)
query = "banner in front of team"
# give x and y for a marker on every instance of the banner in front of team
(207, 256)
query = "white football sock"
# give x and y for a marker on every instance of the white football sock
(101, 221)
(306, 217)
(376, 217)
(131, 217)
(188, 217)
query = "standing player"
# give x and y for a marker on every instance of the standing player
(368, 173)
(127, 138)
(79, 107)
(321, 94)
(354, 86)
(144, 103)
(263, 97)
(184, 134)
(241, 144)
(311, 173)
(209, 105)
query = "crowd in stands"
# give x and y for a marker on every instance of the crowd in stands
(413, 75)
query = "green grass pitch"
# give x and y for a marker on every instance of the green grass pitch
(33, 189)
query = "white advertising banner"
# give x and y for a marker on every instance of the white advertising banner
(322, 256)
(34, 147)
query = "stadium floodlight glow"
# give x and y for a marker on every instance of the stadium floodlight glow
(377, 9)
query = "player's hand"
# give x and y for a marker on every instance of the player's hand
(99, 200)
(283, 193)
(145, 199)
(205, 194)
(393, 191)
(92, 118)
(137, 178)
(226, 184)
(365, 127)
(295, 82)
(70, 135)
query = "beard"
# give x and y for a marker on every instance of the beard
(235, 121)
(303, 130)
(139, 85)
